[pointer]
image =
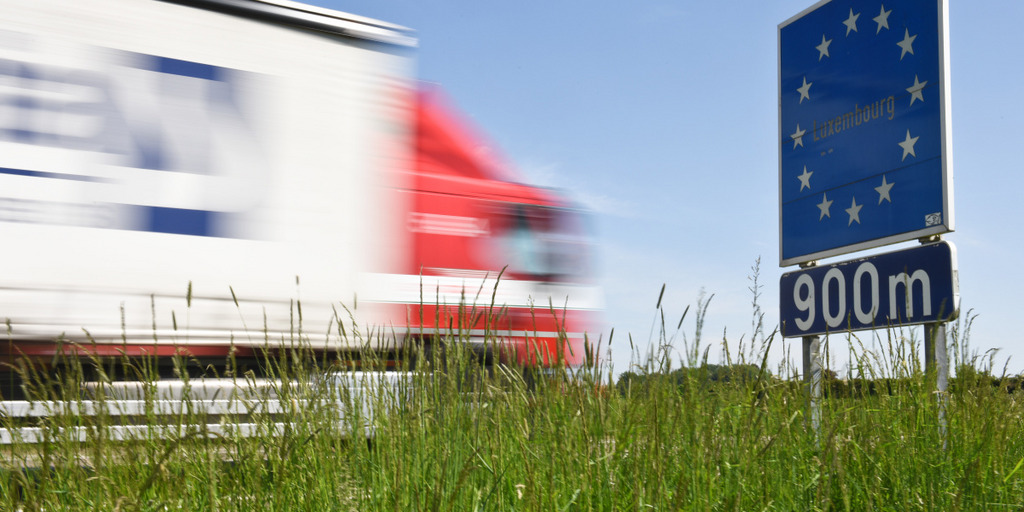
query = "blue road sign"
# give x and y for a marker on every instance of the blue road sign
(912, 286)
(864, 139)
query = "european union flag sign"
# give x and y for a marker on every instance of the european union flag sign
(864, 137)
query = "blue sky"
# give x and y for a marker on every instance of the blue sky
(662, 118)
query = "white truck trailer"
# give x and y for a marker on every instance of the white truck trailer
(178, 176)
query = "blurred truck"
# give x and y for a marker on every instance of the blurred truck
(199, 177)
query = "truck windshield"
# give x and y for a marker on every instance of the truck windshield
(547, 243)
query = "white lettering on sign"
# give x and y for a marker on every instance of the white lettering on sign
(865, 306)
(804, 303)
(865, 317)
(833, 275)
(902, 279)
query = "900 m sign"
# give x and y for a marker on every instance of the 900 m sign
(913, 286)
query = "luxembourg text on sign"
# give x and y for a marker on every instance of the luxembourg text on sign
(863, 141)
(912, 286)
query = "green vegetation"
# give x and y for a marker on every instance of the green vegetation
(673, 433)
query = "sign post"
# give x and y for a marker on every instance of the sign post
(864, 162)
(812, 378)
(937, 364)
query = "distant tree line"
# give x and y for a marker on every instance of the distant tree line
(709, 376)
(705, 376)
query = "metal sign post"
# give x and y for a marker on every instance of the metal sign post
(812, 380)
(936, 362)
(811, 348)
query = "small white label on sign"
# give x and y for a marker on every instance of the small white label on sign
(933, 219)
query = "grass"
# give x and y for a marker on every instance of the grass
(673, 435)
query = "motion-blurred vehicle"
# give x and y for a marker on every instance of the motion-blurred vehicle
(199, 177)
